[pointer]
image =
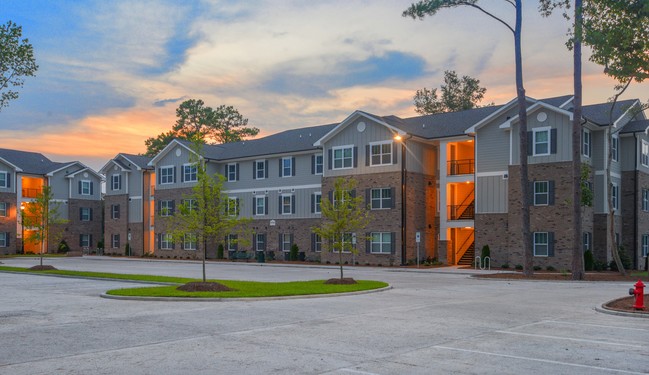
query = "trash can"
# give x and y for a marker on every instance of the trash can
(261, 258)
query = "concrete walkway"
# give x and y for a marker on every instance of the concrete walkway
(432, 322)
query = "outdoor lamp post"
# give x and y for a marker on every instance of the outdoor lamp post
(22, 228)
(402, 140)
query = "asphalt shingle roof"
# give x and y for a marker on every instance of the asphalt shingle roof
(599, 113)
(139, 160)
(30, 162)
(635, 126)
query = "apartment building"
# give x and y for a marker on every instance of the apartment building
(76, 190)
(436, 186)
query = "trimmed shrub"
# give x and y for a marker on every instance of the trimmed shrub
(536, 268)
(63, 247)
(550, 268)
(505, 266)
(589, 260)
(624, 257)
(518, 267)
(219, 252)
(485, 253)
(294, 253)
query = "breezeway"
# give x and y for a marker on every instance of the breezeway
(433, 321)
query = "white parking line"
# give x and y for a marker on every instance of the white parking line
(596, 325)
(541, 360)
(572, 339)
(357, 372)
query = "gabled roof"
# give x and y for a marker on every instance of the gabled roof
(540, 104)
(139, 161)
(599, 113)
(637, 126)
(85, 169)
(28, 162)
(168, 148)
(339, 127)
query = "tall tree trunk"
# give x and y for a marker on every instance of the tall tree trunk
(522, 114)
(340, 260)
(577, 252)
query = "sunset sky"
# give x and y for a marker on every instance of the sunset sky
(112, 73)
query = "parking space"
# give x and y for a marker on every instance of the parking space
(431, 322)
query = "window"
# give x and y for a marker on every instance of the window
(287, 167)
(615, 141)
(541, 244)
(3, 209)
(541, 193)
(645, 154)
(286, 241)
(317, 164)
(348, 241)
(541, 141)
(4, 180)
(588, 241)
(84, 240)
(189, 241)
(166, 175)
(85, 214)
(381, 198)
(189, 206)
(260, 242)
(316, 203)
(317, 242)
(232, 172)
(166, 241)
(645, 200)
(233, 206)
(339, 197)
(260, 206)
(115, 241)
(260, 169)
(4, 239)
(232, 242)
(343, 157)
(166, 208)
(114, 211)
(381, 153)
(586, 143)
(286, 204)
(190, 173)
(645, 245)
(116, 182)
(615, 196)
(85, 187)
(381, 243)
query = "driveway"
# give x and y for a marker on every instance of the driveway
(431, 322)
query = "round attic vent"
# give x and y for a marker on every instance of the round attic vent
(542, 116)
(360, 127)
(85, 174)
(178, 152)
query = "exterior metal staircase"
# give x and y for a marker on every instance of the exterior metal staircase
(468, 257)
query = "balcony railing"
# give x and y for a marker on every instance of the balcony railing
(461, 166)
(31, 193)
(462, 212)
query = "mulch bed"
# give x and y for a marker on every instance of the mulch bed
(204, 287)
(590, 276)
(343, 281)
(626, 304)
(45, 267)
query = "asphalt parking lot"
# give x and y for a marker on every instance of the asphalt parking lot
(431, 322)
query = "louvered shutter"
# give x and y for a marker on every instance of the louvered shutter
(393, 241)
(553, 141)
(368, 242)
(355, 156)
(293, 166)
(367, 155)
(550, 193)
(550, 244)
(530, 144)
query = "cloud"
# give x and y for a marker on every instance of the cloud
(163, 102)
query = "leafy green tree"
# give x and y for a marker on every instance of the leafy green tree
(212, 126)
(347, 214)
(41, 217)
(424, 8)
(457, 94)
(206, 214)
(16, 61)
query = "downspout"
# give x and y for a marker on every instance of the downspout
(635, 201)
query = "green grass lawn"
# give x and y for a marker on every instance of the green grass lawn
(243, 288)
(30, 255)
(640, 274)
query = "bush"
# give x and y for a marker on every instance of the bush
(294, 253)
(624, 257)
(505, 266)
(485, 253)
(599, 266)
(219, 252)
(100, 244)
(127, 249)
(550, 268)
(518, 267)
(536, 268)
(63, 247)
(589, 260)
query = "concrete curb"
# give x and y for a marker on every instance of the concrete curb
(90, 278)
(250, 299)
(606, 310)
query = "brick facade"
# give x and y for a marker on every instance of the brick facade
(635, 221)
(8, 224)
(116, 226)
(74, 228)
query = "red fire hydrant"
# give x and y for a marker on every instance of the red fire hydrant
(638, 292)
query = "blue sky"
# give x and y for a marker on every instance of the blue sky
(112, 72)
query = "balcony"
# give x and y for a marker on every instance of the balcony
(461, 166)
(462, 211)
(31, 192)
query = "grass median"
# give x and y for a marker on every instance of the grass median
(241, 289)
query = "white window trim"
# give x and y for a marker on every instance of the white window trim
(318, 208)
(538, 130)
(233, 200)
(315, 162)
(171, 176)
(389, 244)
(547, 193)
(112, 241)
(380, 143)
(167, 239)
(317, 240)
(6, 213)
(645, 245)
(263, 168)
(82, 186)
(185, 174)
(284, 237)
(3, 238)
(645, 200)
(232, 242)
(644, 157)
(290, 162)
(546, 244)
(615, 196)
(227, 172)
(615, 150)
(165, 210)
(380, 198)
(290, 209)
(333, 157)
(114, 177)
(85, 209)
(85, 238)
(586, 146)
(263, 199)
(187, 239)
(257, 242)
(6, 179)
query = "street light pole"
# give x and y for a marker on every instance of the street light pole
(401, 139)
(22, 228)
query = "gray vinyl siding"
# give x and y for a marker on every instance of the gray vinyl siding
(555, 120)
(302, 199)
(492, 152)
(96, 192)
(135, 210)
(170, 159)
(303, 175)
(599, 154)
(61, 185)
(135, 187)
(373, 133)
(600, 198)
(12, 178)
(629, 153)
(491, 194)
(417, 156)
